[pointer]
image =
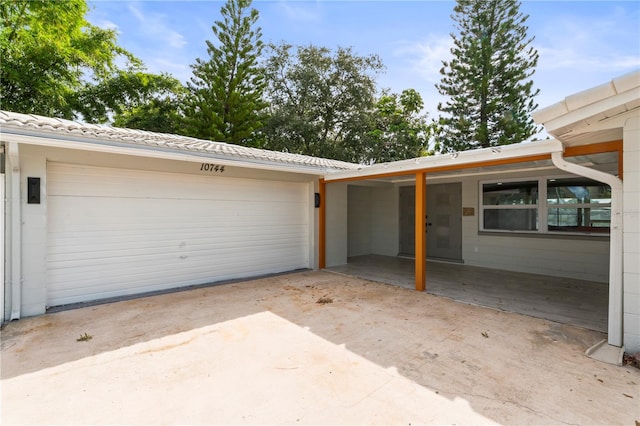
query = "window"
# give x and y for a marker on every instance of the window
(510, 206)
(578, 205)
(546, 205)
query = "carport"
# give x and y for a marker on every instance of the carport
(575, 281)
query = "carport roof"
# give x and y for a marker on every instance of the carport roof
(96, 135)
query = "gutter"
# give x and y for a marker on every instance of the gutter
(616, 243)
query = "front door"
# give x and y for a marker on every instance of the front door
(444, 221)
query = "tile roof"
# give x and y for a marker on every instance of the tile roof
(43, 126)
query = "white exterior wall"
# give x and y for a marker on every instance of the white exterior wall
(34, 234)
(631, 235)
(385, 232)
(33, 161)
(359, 220)
(373, 221)
(336, 224)
(580, 257)
(3, 289)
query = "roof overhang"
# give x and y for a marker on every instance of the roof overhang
(113, 147)
(502, 155)
(594, 115)
(54, 132)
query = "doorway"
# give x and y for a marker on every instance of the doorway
(444, 221)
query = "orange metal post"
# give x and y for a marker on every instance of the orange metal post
(322, 263)
(421, 247)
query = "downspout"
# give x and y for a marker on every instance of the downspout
(16, 232)
(616, 244)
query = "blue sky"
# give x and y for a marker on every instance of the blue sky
(581, 43)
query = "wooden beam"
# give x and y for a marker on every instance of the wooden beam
(421, 246)
(322, 223)
(594, 148)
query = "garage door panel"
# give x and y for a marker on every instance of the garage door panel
(73, 180)
(92, 260)
(76, 249)
(74, 214)
(162, 278)
(116, 232)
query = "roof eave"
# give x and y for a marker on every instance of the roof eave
(21, 136)
(471, 159)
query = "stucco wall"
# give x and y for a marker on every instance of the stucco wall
(631, 235)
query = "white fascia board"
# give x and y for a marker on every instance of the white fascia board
(580, 114)
(477, 156)
(153, 152)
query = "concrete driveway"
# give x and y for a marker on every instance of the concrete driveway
(265, 352)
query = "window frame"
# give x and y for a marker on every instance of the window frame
(482, 207)
(542, 207)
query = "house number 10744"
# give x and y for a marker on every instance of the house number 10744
(213, 168)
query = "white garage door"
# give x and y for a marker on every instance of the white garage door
(114, 232)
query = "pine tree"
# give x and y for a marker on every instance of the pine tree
(488, 81)
(226, 90)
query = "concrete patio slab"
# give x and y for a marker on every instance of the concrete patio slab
(565, 300)
(265, 352)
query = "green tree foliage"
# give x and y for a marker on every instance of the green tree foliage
(488, 81)
(55, 63)
(401, 131)
(321, 102)
(160, 110)
(226, 89)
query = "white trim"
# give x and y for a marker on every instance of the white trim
(151, 152)
(578, 115)
(16, 232)
(477, 156)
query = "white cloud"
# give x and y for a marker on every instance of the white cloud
(154, 26)
(301, 11)
(179, 70)
(107, 25)
(606, 42)
(425, 57)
